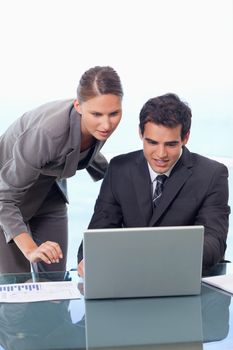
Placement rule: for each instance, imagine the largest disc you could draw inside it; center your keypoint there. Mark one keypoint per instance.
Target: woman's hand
(49, 252)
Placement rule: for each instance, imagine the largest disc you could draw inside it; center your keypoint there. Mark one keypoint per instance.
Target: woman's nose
(105, 123)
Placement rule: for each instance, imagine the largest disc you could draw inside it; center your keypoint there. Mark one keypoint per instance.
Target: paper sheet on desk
(224, 282)
(38, 291)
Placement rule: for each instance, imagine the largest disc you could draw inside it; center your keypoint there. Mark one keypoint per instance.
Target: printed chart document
(39, 291)
(224, 282)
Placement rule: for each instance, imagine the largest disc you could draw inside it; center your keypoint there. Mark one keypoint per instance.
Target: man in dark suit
(194, 192)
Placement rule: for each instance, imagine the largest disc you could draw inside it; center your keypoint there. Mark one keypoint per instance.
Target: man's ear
(140, 133)
(186, 138)
(77, 106)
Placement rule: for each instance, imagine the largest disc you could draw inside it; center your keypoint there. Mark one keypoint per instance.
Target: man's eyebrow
(150, 140)
(172, 141)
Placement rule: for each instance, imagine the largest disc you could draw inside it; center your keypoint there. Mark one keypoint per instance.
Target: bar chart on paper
(38, 291)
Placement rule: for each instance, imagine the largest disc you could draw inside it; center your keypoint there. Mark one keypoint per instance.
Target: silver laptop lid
(143, 262)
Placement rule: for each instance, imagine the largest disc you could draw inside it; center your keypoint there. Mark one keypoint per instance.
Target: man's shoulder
(128, 158)
(208, 161)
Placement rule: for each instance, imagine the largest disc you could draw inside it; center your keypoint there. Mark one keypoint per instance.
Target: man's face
(162, 146)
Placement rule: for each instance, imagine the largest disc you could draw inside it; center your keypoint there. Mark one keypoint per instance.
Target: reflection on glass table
(172, 323)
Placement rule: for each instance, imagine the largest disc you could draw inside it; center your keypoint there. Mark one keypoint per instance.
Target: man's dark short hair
(167, 110)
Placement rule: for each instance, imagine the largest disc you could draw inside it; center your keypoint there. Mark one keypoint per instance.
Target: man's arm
(107, 211)
(214, 215)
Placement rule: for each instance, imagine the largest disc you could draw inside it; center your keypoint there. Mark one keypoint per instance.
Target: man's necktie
(160, 179)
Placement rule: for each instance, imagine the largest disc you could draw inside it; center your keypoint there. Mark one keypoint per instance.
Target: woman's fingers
(52, 250)
(49, 252)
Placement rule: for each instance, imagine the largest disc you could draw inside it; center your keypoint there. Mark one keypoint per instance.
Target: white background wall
(156, 46)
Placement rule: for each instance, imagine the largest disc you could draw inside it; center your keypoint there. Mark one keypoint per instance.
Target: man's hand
(81, 269)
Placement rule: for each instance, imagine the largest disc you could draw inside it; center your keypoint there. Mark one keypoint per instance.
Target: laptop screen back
(143, 262)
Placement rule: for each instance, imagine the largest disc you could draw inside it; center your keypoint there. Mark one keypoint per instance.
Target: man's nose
(161, 151)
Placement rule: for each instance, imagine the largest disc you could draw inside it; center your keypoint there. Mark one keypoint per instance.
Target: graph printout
(38, 291)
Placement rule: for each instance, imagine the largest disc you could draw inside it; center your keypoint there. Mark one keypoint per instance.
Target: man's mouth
(160, 162)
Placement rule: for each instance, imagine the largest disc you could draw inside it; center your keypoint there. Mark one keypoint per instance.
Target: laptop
(142, 262)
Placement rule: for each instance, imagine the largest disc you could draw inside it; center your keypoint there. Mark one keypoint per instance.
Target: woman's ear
(77, 106)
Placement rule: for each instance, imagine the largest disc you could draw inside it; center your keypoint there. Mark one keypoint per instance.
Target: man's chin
(160, 169)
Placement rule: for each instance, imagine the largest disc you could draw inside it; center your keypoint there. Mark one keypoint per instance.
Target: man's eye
(151, 142)
(96, 114)
(172, 144)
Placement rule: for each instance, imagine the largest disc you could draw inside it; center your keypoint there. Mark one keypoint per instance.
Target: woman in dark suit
(37, 153)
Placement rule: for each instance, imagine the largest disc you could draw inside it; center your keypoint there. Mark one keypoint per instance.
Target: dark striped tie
(160, 179)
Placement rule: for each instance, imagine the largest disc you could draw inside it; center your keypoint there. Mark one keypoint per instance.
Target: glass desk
(171, 323)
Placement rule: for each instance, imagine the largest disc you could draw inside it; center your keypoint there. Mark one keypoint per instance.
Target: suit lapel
(98, 146)
(142, 186)
(72, 158)
(176, 181)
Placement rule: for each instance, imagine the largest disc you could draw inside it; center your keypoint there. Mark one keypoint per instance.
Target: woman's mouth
(103, 133)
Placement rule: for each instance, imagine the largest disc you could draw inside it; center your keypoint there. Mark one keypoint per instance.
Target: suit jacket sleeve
(214, 216)
(107, 212)
(18, 174)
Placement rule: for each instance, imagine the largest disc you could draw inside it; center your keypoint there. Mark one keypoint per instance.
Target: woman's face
(100, 115)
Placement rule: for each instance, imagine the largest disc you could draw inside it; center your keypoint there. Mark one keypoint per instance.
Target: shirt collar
(153, 174)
